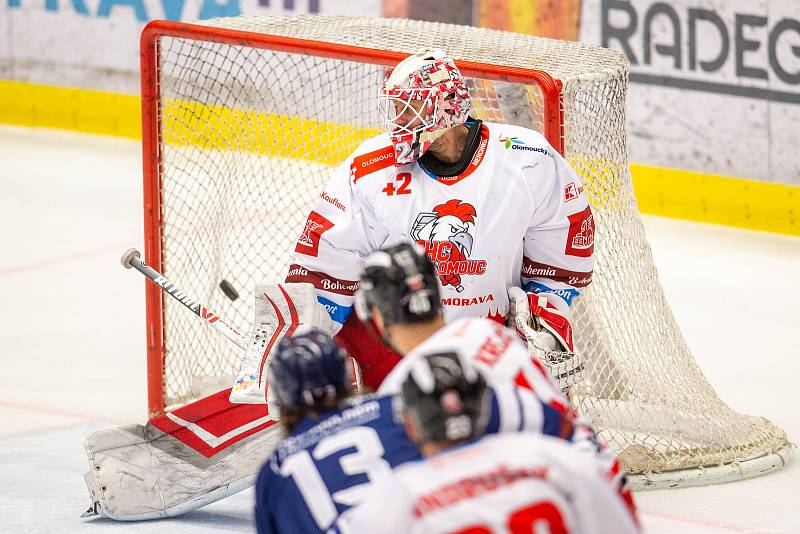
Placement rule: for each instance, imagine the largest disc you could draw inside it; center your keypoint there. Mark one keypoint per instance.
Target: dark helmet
(401, 282)
(446, 397)
(308, 370)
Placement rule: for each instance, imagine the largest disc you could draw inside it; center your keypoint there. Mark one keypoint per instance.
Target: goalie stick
(133, 259)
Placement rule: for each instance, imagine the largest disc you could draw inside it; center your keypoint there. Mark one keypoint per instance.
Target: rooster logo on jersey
(446, 235)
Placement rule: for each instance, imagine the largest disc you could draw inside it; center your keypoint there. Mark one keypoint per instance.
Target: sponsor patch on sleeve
(534, 269)
(580, 238)
(567, 294)
(371, 161)
(320, 280)
(333, 201)
(316, 225)
(572, 191)
(338, 312)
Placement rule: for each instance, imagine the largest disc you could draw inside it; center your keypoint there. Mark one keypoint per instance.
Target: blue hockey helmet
(309, 370)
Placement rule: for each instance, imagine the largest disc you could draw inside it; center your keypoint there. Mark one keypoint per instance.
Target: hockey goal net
(244, 120)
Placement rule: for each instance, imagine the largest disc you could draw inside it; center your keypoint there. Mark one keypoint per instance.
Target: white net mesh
(250, 136)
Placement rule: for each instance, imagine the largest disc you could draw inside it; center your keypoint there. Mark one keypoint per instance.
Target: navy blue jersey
(328, 464)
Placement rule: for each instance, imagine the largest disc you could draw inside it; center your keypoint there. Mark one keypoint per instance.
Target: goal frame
(757, 445)
(553, 126)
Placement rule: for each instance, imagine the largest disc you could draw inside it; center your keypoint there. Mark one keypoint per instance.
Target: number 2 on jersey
(404, 178)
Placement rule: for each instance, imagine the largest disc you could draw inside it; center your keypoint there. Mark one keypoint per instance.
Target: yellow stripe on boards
(82, 110)
(192, 123)
(185, 122)
(717, 199)
(659, 191)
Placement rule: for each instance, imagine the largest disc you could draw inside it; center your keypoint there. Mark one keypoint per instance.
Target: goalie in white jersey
(505, 483)
(493, 205)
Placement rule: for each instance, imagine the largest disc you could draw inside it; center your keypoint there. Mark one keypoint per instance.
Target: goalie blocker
(281, 310)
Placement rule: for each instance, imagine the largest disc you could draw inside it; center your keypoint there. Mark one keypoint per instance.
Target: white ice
(73, 340)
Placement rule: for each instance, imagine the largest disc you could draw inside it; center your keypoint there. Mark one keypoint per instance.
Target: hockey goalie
(496, 208)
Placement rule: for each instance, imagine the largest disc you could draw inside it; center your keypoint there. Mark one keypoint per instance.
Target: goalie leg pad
(180, 461)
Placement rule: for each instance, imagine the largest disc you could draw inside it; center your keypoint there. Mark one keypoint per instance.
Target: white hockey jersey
(504, 484)
(493, 348)
(516, 216)
(504, 360)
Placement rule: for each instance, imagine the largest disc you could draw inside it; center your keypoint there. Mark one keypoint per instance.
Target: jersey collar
(478, 156)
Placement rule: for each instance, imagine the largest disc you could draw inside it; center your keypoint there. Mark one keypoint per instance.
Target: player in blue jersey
(337, 446)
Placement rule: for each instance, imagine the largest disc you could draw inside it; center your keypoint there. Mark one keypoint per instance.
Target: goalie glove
(548, 334)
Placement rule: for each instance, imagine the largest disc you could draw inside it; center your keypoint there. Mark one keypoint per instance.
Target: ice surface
(73, 340)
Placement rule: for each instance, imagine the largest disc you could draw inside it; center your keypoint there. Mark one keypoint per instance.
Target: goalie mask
(446, 398)
(401, 282)
(423, 97)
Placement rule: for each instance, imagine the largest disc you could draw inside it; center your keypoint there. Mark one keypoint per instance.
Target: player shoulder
(537, 447)
(373, 155)
(468, 327)
(471, 336)
(372, 144)
(269, 472)
(367, 403)
(518, 140)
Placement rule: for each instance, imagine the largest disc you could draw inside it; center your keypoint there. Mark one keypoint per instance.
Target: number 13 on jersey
(366, 459)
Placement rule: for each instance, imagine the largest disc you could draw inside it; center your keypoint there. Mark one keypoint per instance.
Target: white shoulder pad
(281, 310)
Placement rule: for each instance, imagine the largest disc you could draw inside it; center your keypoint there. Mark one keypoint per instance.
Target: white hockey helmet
(423, 97)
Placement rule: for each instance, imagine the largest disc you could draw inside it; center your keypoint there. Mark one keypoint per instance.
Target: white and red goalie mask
(423, 97)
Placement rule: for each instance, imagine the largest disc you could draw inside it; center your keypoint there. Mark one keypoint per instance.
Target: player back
(504, 360)
(327, 465)
(495, 349)
(501, 483)
(330, 464)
